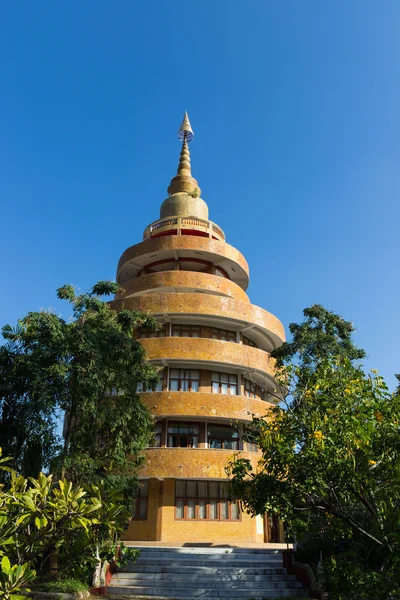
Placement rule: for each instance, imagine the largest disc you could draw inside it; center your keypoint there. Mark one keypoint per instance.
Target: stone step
(269, 556)
(199, 577)
(203, 563)
(208, 570)
(205, 550)
(213, 558)
(185, 573)
(209, 584)
(209, 593)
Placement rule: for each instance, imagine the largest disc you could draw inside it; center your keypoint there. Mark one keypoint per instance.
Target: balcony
(183, 281)
(213, 353)
(178, 225)
(231, 310)
(204, 404)
(191, 462)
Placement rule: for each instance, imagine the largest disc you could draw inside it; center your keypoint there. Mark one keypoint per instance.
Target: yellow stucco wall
(174, 303)
(191, 462)
(184, 279)
(200, 349)
(161, 521)
(184, 243)
(202, 404)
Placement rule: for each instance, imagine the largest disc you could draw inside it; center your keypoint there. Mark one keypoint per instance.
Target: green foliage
(331, 454)
(86, 369)
(42, 522)
(14, 579)
(323, 334)
(348, 577)
(120, 554)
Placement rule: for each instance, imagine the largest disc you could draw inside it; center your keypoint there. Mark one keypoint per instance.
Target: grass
(67, 585)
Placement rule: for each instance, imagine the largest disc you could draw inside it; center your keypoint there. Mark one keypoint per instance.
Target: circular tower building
(214, 351)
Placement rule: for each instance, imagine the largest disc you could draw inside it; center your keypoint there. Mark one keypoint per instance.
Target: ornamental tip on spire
(183, 182)
(185, 131)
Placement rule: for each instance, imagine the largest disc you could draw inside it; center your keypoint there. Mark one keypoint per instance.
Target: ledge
(224, 308)
(204, 404)
(214, 352)
(170, 281)
(217, 252)
(191, 462)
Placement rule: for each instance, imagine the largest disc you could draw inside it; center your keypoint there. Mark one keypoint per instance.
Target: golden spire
(183, 182)
(185, 130)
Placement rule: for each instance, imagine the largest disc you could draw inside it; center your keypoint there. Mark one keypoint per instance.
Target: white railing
(181, 223)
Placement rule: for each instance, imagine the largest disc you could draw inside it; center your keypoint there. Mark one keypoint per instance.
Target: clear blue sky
(295, 106)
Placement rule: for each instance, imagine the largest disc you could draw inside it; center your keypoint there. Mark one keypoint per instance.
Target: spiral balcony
(154, 252)
(231, 312)
(182, 281)
(191, 462)
(203, 404)
(215, 354)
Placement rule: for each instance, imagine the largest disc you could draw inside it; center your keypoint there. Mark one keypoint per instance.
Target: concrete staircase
(212, 573)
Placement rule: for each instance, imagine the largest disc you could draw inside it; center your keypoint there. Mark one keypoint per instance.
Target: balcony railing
(179, 223)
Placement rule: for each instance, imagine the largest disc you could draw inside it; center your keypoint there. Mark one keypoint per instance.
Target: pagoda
(213, 350)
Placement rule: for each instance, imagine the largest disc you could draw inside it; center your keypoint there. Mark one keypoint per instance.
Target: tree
(331, 456)
(87, 370)
(322, 334)
(42, 520)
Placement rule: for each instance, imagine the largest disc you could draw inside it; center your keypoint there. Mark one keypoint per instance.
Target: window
(139, 507)
(183, 435)
(142, 388)
(251, 447)
(251, 390)
(157, 435)
(151, 333)
(223, 334)
(248, 342)
(222, 437)
(186, 331)
(223, 383)
(184, 380)
(204, 501)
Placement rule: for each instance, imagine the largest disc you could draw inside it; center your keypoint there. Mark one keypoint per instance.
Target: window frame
(252, 390)
(179, 379)
(246, 341)
(190, 328)
(158, 432)
(144, 333)
(138, 501)
(228, 383)
(157, 388)
(252, 447)
(183, 423)
(223, 441)
(218, 334)
(221, 498)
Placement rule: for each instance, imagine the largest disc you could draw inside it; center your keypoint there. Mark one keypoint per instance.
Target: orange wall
(204, 404)
(200, 349)
(191, 462)
(161, 523)
(175, 303)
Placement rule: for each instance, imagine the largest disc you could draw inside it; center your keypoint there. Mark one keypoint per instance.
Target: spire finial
(183, 181)
(185, 130)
